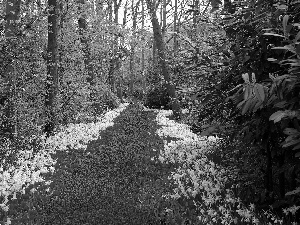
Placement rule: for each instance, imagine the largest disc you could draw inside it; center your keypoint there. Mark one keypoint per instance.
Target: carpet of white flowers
(199, 190)
(29, 166)
(199, 179)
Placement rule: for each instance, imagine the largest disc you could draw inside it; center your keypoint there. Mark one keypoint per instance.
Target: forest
(146, 112)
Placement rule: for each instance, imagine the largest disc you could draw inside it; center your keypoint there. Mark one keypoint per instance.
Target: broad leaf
(247, 92)
(290, 131)
(295, 148)
(284, 24)
(246, 77)
(277, 116)
(282, 7)
(259, 92)
(293, 142)
(271, 59)
(287, 47)
(293, 192)
(272, 34)
(246, 106)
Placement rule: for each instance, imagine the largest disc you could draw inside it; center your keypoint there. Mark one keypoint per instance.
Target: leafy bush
(158, 98)
(259, 77)
(138, 94)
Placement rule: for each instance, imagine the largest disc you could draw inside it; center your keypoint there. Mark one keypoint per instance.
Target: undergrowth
(134, 166)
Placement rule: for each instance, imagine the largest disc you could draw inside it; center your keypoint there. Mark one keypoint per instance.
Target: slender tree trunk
(125, 15)
(116, 10)
(99, 9)
(52, 75)
(120, 78)
(111, 81)
(175, 45)
(164, 19)
(195, 18)
(134, 9)
(12, 10)
(61, 36)
(110, 11)
(162, 60)
(114, 59)
(82, 24)
(154, 56)
(143, 49)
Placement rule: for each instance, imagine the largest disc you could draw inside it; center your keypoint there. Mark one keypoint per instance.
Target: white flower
(4, 207)
(8, 221)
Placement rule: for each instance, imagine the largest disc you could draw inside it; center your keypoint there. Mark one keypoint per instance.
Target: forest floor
(118, 179)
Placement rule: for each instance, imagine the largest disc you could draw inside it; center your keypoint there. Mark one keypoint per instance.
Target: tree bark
(164, 19)
(175, 44)
(143, 49)
(196, 12)
(12, 10)
(113, 58)
(154, 56)
(120, 78)
(134, 9)
(52, 67)
(162, 61)
(82, 24)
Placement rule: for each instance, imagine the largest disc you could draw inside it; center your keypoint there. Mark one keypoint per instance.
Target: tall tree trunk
(110, 10)
(12, 10)
(154, 57)
(111, 81)
(195, 18)
(125, 15)
(143, 49)
(175, 45)
(120, 78)
(82, 24)
(113, 59)
(52, 75)
(162, 60)
(116, 10)
(61, 37)
(164, 19)
(134, 9)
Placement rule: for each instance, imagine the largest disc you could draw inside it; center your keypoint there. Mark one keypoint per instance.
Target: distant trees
(158, 38)
(84, 45)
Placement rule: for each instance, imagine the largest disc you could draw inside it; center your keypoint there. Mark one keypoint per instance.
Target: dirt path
(114, 181)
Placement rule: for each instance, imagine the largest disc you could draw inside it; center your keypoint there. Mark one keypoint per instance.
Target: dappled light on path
(133, 166)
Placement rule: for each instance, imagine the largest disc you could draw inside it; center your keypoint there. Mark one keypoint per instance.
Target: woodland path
(114, 181)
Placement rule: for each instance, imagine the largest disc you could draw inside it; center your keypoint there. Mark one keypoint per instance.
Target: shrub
(158, 98)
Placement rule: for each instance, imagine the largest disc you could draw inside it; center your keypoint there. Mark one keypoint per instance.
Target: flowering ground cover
(101, 176)
(133, 166)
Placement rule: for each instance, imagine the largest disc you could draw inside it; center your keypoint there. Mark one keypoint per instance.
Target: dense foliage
(158, 98)
(252, 97)
(235, 69)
